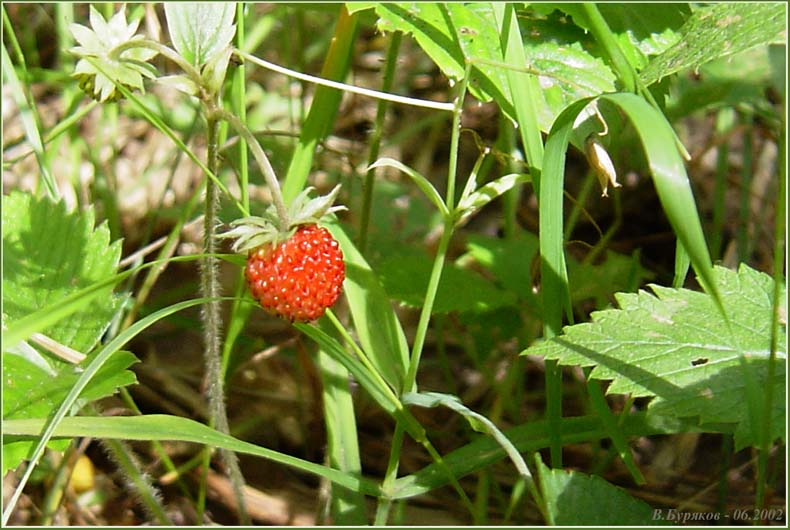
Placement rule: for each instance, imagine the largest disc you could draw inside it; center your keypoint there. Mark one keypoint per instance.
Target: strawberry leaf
(48, 254)
(719, 30)
(201, 31)
(577, 499)
(454, 33)
(674, 345)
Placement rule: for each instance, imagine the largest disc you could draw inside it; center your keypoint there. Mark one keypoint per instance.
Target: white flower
(98, 43)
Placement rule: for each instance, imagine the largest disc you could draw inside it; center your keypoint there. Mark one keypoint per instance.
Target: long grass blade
(165, 427)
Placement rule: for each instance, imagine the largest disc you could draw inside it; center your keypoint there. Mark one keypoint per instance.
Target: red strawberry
(294, 267)
(299, 278)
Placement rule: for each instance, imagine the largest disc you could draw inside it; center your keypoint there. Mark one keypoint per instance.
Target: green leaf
(377, 326)
(27, 114)
(49, 254)
(509, 260)
(718, 30)
(641, 29)
(324, 107)
(477, 421)
(567, 72)
(200, 30)
(30, 391)
(405, 272)
(164, 427)
(670, 179)
(576, 499)
(727, 82)
(453, 33)
(423, 183)
(342, 441)
(674, 345)
(487, 193)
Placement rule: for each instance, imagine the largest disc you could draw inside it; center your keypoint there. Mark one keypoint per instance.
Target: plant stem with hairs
(212, 319)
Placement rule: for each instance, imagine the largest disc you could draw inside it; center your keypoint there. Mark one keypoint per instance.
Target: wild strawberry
(299, 278)
(295, 268)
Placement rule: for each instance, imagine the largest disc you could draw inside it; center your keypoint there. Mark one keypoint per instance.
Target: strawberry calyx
(269, 229)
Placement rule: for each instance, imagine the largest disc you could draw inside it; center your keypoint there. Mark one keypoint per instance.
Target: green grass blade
(744, 236)
(27, 114)
(348, 506)
(324, 107)
(375, 138)
(377, 389)
(377, 326)
(671, 181)
(554, 275)
(611, 48)
(682, 264)
(476, 420)
(524, 86)
(779, 260)
(175, 428)
(612, 426)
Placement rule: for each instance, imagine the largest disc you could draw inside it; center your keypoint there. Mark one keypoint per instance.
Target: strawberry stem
(212, 319)
(261, 159)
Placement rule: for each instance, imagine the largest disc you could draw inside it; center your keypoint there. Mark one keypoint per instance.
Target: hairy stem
(212, 320)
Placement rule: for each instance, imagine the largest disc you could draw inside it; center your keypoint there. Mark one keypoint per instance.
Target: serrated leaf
(31, 392)
(718, 30)
(567, 72)
(405, 273)
(577, 499)
(200, 30)
(674, 345)
(49, 254)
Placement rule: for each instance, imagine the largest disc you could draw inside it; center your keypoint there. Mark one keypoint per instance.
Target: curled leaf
(423, 183)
